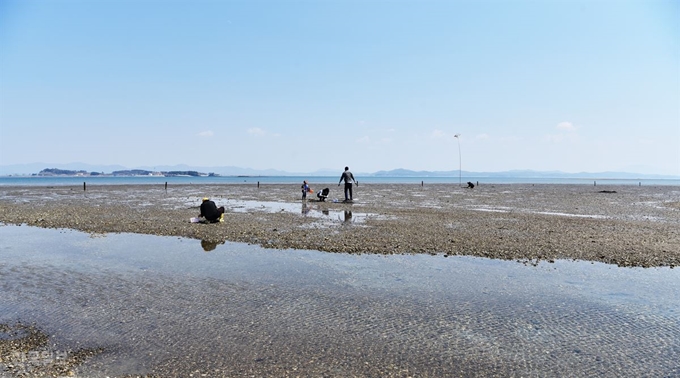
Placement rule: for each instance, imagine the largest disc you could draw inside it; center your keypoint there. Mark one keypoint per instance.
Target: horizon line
(525, 173)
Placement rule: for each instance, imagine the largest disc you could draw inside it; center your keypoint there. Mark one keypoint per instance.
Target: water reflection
(315, 209)
(209, 245)
(348, 216)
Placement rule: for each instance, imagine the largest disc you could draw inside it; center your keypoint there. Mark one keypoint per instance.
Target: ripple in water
(173, 307)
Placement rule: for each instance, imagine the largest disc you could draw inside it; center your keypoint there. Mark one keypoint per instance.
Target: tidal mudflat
(122, 305)
(621, 225)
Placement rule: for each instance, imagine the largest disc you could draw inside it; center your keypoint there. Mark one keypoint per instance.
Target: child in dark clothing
(305, 189)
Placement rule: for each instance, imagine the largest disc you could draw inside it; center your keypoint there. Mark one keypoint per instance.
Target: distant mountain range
(82, 168)
(522, 174)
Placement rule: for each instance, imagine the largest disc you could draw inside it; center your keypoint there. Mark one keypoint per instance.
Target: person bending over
(210, 211)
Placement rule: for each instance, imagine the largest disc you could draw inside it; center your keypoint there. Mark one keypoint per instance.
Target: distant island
(129, 172)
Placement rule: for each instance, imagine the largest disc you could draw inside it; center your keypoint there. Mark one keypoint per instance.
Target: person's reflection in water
(348, 216)
(305, 208)
(325, 212)
(209, 245)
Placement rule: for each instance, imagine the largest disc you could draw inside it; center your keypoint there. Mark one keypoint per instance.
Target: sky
(299, 86)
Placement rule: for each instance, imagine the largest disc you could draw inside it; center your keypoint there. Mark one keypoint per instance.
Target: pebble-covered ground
(623, 225)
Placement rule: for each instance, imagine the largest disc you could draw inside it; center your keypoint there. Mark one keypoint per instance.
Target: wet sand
(622, 225)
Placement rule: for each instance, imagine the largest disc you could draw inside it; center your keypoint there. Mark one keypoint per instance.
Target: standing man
(348, 177)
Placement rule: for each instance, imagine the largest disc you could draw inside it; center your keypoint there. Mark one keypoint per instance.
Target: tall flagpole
(460, 162)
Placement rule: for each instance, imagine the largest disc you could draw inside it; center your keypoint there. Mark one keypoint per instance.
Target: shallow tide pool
(175, 307)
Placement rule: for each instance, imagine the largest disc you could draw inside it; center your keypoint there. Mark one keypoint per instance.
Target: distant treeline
(65, 172)
(130, 172)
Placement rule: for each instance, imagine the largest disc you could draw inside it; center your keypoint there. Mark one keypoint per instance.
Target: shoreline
(623, 225)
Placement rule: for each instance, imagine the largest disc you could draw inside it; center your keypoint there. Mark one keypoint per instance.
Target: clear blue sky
(304, 85)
